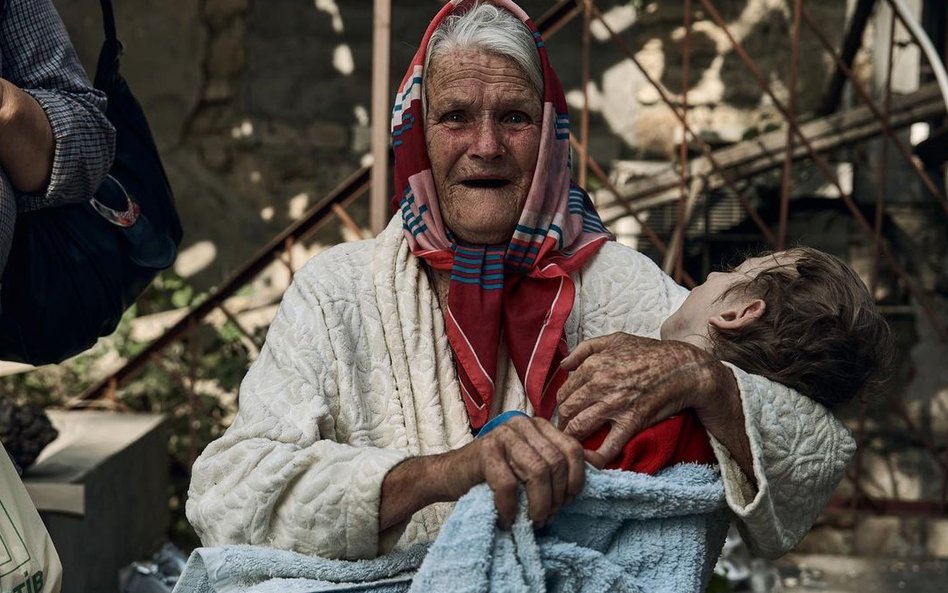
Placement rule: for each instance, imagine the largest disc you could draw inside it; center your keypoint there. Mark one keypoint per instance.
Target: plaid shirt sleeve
(37, 56)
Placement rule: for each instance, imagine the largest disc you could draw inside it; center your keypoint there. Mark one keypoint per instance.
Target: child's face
(710, 300)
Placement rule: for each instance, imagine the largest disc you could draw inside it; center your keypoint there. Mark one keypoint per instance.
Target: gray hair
(492, 29)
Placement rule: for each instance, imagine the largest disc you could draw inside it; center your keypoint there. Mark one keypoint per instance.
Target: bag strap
(108, 21)
(107, 68)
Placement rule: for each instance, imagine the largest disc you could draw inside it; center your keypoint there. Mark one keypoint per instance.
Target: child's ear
(739, 315)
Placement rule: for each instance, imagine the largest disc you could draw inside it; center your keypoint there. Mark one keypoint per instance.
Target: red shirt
(678, 439)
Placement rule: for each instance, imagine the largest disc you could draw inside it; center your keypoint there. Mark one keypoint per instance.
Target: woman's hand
(634, 382)
(550, 464)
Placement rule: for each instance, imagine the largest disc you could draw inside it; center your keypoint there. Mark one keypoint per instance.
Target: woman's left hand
(633, 382)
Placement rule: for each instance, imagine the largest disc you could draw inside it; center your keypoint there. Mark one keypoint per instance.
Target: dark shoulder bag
(74, 269)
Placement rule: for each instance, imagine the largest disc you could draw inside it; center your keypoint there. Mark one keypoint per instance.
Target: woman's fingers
(595, 458)
(503, 481)
(583, 351)
(574, 402)
(513, 460)
(576, 381)
(591, 372)
(586, 418)
(588, 375)
(573, 452)
(550, 465)
(626, 381)
(634, 382)
(546, 477)
(563, 455)
(619, 435)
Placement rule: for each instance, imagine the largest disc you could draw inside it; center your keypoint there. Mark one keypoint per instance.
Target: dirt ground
(848, 574)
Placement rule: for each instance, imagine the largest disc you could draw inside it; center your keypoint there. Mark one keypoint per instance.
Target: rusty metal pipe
(884, 164)
(788, 158)
(678, 242)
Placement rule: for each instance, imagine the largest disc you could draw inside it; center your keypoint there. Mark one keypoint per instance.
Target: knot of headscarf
(523, 287)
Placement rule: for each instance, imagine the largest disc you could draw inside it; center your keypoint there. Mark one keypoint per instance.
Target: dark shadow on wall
(768, 43)
(702, 52)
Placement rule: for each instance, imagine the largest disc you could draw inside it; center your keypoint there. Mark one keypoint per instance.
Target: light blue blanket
(625, 532)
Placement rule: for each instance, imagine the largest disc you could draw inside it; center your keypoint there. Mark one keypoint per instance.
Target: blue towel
(625, 532)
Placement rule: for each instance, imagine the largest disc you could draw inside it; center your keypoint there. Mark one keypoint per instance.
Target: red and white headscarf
(523, 286)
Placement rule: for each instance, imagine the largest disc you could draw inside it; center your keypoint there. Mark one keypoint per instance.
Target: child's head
(800, 317)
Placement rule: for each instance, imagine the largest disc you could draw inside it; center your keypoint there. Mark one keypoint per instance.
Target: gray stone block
(102, 490)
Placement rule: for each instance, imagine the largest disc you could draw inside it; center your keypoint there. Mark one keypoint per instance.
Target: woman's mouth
(485, 183)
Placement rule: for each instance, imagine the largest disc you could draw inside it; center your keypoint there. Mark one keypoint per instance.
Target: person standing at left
(56, 144)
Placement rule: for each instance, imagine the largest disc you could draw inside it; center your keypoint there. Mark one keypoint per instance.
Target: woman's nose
(487, 143)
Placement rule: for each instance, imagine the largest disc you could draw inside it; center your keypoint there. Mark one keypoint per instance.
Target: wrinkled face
(690, 322)
(482, 129)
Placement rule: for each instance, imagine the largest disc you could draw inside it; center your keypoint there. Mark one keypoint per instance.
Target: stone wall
(261, 107)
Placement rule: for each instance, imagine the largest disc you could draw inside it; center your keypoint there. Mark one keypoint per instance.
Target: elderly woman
(356, 425)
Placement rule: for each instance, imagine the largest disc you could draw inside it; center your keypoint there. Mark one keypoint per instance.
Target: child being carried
(799, 317)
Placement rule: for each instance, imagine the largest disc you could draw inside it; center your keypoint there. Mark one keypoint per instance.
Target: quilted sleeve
(277, 477)
(800, 452)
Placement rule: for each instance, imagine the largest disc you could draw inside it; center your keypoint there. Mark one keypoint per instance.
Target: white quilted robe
(357, 375)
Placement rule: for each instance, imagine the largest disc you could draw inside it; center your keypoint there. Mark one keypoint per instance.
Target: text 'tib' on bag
(28, 561)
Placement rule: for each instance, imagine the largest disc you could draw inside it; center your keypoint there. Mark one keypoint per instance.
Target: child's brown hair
(820, 332)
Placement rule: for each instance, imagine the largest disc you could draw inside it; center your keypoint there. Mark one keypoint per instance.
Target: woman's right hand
(550, 464)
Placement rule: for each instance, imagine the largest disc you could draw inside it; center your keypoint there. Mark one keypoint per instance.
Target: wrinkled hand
(550, 464)
(632, 383)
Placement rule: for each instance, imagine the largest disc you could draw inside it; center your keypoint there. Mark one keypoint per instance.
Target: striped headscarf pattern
(521, 289)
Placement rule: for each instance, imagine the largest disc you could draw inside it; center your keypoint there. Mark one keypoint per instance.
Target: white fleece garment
(357, 374)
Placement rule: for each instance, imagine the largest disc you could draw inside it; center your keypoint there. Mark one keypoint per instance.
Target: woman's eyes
(453, 117)
(517, 118)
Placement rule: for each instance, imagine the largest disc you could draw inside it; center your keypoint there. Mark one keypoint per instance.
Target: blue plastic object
(498, 420)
